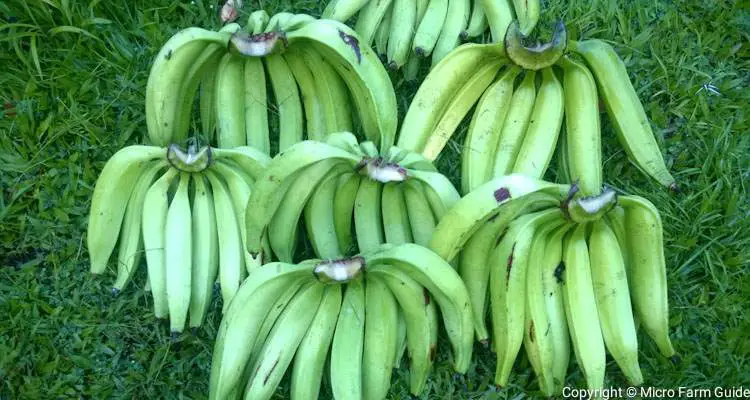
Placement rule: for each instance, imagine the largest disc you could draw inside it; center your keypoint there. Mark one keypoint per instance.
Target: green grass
(73, 81)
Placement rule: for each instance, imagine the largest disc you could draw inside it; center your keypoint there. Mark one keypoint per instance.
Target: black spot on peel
(493, 217)
(426, 296)
(352, 42)
(532, 332)
(559, 272)
(510, 264)
(168, 56)
(501, 237)
(270, 371)
(502, 194)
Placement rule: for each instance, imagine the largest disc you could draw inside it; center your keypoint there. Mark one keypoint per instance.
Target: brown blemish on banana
(532, 332)
(426, 295)
(559, 272)
(510, 264)
(502, 194)
(433, 352)
(352, 42)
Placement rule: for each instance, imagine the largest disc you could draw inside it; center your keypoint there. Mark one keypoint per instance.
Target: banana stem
(258, 45)
(378, 169)
(339, 271)
(539, 56)
(192, 160)
(591, 208)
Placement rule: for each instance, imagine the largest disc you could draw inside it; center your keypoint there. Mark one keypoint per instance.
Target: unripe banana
(205, 252)
(256, 105)
(381, 331)
(343, 205)
(540, 139)
(499, 15)
(580, 309)
(348, 344)
(624, 108)
(287, 99)
(403, 20)
(342, 10)
(429, 28)
(230, 101)
(310, 359)
(368, 215)
(613, 300)
(456, 21)
(178, 248)
(319, 218)
(477, 21)
(110, 198)
(582, 127)
(478, 154)
(314, 112)
(516, 122)
(396, 225)
(421, 219)
(369, 19)
(527, 12)
(647, 272)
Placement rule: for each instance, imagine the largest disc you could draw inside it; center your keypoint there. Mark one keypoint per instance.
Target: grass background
(72, 85)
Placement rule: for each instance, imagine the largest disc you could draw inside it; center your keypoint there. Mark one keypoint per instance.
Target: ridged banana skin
(250, 160)
(368, 215)
(582, 127)
(499, 16)
(613, 300)
(403, 19)
(241, 323)
(231, 261)
(429, 27)
(563, 172)
(283, 227)
(316, 127)
(334, 105)
(343, 205)
(178, 245)
(383, 33)
(239, 191)
(445, 286)
(554, 305)
(319, 218)
(527, 12)
(478, 154)
(580, 309)
(342, 10)
(310, 359)
(110, 198)
(439, 88)
(287, 101)
(368, 81)
(278, 351)
(497, 195)
(167, 80)
(456, 21)
(207, 94)
(396, 225)
(130, 245)
(457, 109)
(647, 273)
(270, 189)
(538, 339)
(205, 251)
(230, 101)
(624, 108)
(256, 105)
(421, 219)
(206, 62)
(540, 139)
(155, 207)
(381, 339)
(477, 21)
(508, 266)
(348, 344)
(516, 122)
(369, 19)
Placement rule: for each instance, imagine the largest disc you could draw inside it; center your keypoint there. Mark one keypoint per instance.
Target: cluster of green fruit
(557, 263)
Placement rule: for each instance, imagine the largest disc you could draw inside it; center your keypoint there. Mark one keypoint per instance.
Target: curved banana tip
(393, 66)
(540, 55)
(420, 52)
(675, 188)
(676, 359)
(194, 331)
(485, 343)
(115, 291)
(463, 35)
(174, 335)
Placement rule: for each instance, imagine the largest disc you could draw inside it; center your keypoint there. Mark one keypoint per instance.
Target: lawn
(72, 84)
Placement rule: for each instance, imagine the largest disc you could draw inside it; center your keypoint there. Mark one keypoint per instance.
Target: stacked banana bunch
(405, 31)
(320, 75)
(181, 208)
(556, 269)
(521, 97)
(367, 309)
(348, 195)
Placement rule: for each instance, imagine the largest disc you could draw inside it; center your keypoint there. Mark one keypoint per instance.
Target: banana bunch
(348, 195)
(521, 96)
(559, 269)
(320, 78)
(405, 31)
(182, 210)
(364, 310)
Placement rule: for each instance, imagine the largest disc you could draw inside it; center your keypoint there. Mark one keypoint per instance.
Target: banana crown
(538, 56)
